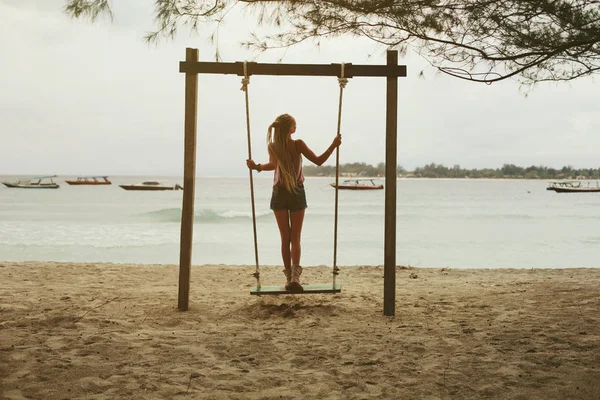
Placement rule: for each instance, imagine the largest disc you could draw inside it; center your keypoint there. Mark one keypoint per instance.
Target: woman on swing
(288, 200)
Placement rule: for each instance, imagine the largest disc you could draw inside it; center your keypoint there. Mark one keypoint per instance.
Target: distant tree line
(434, 170)
(350, 169)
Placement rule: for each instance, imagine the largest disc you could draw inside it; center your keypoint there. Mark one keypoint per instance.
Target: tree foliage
(479, 40)
(349, 169)
(510, 171)
(434, 170)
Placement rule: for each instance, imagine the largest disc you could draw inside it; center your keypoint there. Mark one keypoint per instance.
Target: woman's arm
(270, 166)
(311, 156)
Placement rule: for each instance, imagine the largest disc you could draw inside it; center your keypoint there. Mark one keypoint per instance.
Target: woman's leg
(283, 222)
(296, 220)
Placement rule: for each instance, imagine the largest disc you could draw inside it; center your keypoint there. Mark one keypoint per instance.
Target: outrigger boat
(90, 180)
(572, 187)
(358, 184)
(38, 182)
(151, 185)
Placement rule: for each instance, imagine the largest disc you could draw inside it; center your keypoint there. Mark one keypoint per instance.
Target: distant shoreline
(447, 179)
(265, 176)
(434, 170)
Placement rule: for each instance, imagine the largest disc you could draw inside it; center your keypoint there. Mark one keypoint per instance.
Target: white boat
(358, 184)
(151, 185)
(38, 182)
(573, 187)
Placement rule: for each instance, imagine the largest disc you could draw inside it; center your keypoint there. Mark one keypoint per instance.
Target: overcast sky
(78, 98)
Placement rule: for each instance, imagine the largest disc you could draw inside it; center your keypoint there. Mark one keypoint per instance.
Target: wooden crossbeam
(237, 68)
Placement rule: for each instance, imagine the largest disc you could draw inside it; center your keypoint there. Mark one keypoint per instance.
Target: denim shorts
(281, 199)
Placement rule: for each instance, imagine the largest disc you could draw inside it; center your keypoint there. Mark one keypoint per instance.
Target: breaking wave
(202, 215)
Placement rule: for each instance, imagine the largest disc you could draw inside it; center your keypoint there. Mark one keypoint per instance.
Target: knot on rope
(256, 274)
(336, 271)
(245, 83)
(342, 80)
(246, 78)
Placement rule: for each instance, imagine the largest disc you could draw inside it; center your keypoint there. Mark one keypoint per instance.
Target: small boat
(90, 180)
(151, 185)
(38, 182)
(358, 184)
(573, 187)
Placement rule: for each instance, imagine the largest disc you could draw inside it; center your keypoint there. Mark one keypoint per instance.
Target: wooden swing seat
(308, 289)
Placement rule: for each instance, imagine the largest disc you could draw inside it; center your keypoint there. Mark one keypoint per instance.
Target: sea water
(440, 223)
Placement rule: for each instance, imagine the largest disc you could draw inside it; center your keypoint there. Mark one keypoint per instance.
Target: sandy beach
(113, 331)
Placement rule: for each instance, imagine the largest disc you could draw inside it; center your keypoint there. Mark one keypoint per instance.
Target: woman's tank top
(299, 173)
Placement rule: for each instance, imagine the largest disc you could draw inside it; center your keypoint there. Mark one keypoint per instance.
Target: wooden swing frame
(192, 67)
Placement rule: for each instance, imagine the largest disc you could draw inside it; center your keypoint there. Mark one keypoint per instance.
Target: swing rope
(245, 83)
(342, 82)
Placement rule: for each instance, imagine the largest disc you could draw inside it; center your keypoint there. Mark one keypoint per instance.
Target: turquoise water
(440, 223)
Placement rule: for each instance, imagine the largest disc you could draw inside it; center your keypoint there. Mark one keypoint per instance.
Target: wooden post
(189, 177)
(391, 154)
